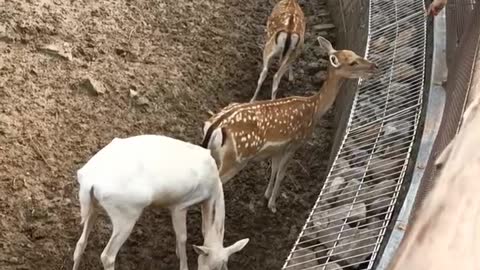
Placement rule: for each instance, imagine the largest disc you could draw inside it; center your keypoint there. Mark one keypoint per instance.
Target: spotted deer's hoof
(272, 207)
(267, 194)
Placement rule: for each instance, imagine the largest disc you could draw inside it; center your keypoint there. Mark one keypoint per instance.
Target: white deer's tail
(86, 197)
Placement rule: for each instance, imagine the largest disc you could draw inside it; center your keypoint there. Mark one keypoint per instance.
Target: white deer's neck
(215, 229)
(325, 98)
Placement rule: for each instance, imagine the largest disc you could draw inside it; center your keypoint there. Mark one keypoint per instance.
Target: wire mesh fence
(346, 225)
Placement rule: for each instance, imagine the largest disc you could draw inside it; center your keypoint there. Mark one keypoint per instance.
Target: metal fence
(346, 226)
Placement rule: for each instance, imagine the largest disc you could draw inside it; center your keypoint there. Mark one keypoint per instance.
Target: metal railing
(348, 221)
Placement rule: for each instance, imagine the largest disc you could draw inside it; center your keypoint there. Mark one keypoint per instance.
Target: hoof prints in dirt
(74, 75)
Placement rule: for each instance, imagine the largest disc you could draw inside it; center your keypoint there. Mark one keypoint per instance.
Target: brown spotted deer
(285, 35)
(275, 129)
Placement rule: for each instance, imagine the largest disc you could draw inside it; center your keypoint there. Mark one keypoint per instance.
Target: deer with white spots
(285, 36)
(130, 174)
(275, 129)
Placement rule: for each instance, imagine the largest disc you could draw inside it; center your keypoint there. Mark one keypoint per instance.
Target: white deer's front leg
(179, 220)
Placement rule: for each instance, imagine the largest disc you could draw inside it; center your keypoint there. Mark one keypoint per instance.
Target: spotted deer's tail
(287, 39)
(214, 137)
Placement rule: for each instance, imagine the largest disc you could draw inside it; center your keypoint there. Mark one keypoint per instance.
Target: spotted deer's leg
(298, 51)
(290, 73)
(286, 63)
(278, 76)
(282, 167)
(290, 70)
(274, 164)
(271, 49)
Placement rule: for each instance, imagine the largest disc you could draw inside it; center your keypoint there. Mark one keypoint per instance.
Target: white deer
(130, 174)
(285, 36)
(275, 129)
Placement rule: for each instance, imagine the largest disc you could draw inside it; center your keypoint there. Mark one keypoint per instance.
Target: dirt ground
(182, 58)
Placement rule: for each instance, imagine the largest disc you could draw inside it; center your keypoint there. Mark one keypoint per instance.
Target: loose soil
(181, 58)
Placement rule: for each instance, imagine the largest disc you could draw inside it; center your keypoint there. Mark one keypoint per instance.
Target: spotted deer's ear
(334, 60)
(326, 45)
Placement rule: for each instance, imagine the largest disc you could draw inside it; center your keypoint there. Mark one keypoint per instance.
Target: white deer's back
(150, 168)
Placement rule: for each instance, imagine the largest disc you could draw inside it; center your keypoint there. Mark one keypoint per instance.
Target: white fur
(130, 174)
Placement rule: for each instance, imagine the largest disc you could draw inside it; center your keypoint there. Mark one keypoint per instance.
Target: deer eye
(354, 63)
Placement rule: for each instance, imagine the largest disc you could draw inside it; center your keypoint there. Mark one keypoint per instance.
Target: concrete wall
(351, 21)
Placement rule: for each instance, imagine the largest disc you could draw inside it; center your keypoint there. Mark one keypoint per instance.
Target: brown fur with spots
(287, 16)
(276, 129)
(285, 35)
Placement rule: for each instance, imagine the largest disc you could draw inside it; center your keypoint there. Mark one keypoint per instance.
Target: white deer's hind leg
(282, 167)
(123, 221)
(179, 220)
(274, 164)
(82, 242)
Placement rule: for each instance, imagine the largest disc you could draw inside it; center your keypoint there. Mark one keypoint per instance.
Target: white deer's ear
(326, 45)
(201, 250)
(334, 60)
(239, 245)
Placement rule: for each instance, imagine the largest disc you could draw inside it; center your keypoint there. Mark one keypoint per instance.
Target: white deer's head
(216, 258)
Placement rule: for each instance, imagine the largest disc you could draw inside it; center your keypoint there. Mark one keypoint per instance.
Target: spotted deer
(275, 129)
(285, 35)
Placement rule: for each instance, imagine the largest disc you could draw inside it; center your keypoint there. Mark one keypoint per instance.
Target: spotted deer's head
(346, 63)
